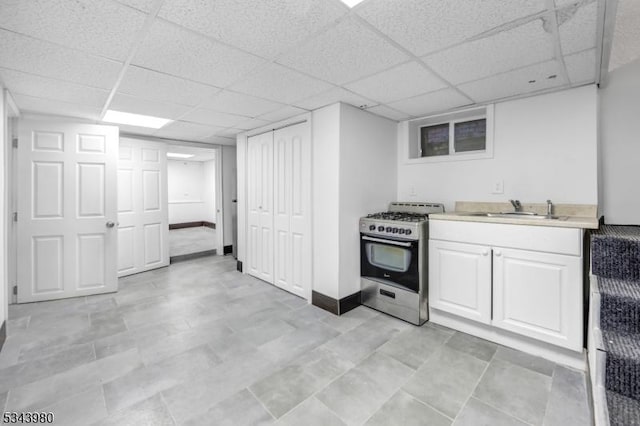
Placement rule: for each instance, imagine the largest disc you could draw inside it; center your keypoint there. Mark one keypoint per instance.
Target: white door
(67, 239)
(538, 295)
(292, 205)
(460, 279)
(260, 206)
(143, 226)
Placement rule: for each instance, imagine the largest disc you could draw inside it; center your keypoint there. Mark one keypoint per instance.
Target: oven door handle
(392, 242)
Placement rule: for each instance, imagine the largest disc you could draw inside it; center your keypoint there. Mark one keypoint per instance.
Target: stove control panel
(400, 230)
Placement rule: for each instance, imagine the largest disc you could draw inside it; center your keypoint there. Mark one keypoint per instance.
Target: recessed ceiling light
(139, 120)
(352, 3)
(177, 155)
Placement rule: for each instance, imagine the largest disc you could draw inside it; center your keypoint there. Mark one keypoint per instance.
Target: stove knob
(394, 230)
(372, 227)
(408, 232)
(380, 228)
(401, 231)
(388, 229)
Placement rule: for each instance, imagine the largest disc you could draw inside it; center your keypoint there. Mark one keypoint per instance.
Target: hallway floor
(199, 343)
(191, 240)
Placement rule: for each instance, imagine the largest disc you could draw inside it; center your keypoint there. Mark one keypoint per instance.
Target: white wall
(545, 147)
(4, 140)
(368, 179)
(209, 190)
(229, 193)
(620, 145)
(190, 190)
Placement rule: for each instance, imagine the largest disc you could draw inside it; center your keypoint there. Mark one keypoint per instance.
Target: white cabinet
(523, 279)
(278, 208)
(460, 279)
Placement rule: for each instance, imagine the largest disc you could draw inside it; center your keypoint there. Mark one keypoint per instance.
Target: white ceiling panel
(424, 26)
(35, 56)
(516, 82)
(581, 67)
(332, 96)
(280, 84)
(265, 28)
(282, 114)
(46, 106)
(430, 103)
(124, 128)
(492, 55)
(132, 104)
(239, 103)
(143, 5)
(252, 123)
(626, 34)
(213, 118)
(227, 133)
(101, 27)
(218, 140)
(182, 130)
(32, 85)
(345, 53)
(163, 87)
(174, 50)
(400, 82)
(390, 113)
(577, 27)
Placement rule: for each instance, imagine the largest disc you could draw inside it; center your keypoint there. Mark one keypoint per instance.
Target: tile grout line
(261, 403)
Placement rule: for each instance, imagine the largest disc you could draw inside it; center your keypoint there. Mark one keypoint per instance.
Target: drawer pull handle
(387, 293)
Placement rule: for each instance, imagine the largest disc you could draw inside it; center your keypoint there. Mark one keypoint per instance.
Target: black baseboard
(239, 266)
(227, 249)
(3, 334)
(192, 225)
(191, 256)
(336, 307)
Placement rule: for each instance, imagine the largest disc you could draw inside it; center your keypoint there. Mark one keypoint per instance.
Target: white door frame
(11, 199)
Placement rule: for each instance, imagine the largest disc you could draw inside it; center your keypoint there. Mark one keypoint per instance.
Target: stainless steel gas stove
(393, 260)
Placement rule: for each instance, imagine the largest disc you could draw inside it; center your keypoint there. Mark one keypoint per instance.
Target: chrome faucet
(549, 208)
(516, 205)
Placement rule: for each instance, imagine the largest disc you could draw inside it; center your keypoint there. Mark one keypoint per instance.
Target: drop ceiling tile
(581, 67)
(400, 82)
(239, 103)
(430, 103)
(344, 53)
(390, 113)
(524, 45)
(136, 130)
(264, 28)
(332, 96)
(182, 130)
(163, 87)
(626, 34)
(135, 105)
(177, 51)
(39, 57)
(514, 83)
(218, 140)
(577, 27)
(250, 124)
(143, 5)
(47, 106)
(100, 27)
(32, 85)
(213, 118)
(280, 84)
(282, 114)
(425, 26)
(228, 133)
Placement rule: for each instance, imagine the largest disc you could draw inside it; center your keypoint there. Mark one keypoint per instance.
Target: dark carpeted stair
(615, 259)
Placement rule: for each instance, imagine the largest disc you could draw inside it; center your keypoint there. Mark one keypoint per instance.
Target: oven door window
(391, 258)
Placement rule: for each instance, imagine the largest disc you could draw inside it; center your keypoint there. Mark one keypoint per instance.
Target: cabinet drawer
(537, 238)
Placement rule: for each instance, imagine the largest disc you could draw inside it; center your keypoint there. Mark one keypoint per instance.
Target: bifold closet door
(260, 206)
(292, 204)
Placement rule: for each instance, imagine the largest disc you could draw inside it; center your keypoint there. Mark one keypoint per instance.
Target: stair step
(615, 252)
(619, 305)
(623, 411)
(622, 371)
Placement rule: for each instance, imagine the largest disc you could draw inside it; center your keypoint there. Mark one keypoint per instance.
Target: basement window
(460, 135)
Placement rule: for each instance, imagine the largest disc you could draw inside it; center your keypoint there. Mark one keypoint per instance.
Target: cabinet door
(260, 206)
(538, 295)
(460, 279)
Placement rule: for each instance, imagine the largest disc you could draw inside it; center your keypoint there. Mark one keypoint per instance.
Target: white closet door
(67, 240)
(143, 228)
(260, 206)
(292, 205)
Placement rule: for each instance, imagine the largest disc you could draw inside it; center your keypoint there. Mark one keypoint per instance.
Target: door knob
(486, 252)
(110, 224)
(498, 253)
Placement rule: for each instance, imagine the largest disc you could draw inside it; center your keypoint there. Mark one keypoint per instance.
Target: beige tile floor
(198, 343)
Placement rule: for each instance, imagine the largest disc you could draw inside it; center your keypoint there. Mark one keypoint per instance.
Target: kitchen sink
(518, 215)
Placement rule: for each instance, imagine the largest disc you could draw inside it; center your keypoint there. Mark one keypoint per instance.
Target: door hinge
(15, 290)
(14, 142)
(15, 216)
